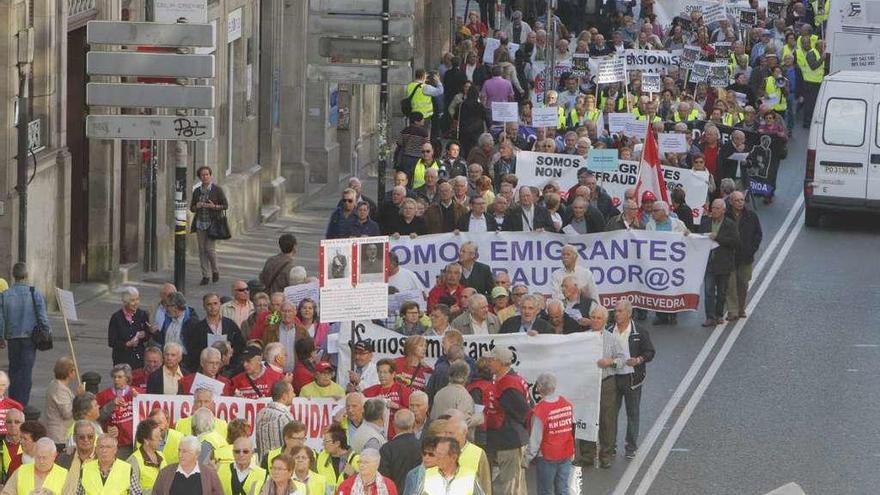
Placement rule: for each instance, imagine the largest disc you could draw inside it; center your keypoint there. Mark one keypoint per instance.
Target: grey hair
(486, 138)
(624, 305)
(475, 300)
(128, 292)
(546, 383)
(459, 372)
(554, 302)
(570, 247)
(190, 443)
(399, 190)
(371, 454)
(404, 420)
(536, 299)
(418, 394)
(209, 352)
(728, 185)
(374, 409)
(203, 390)
(663, 205)
(78, 425)
(47, 443)
(177, 300)
(202, 422)
(600, 311)
(272, 351)
(172, 345)
(352, 181)
(459, 179)
(297, 275)
(585, 140)
(124, 368)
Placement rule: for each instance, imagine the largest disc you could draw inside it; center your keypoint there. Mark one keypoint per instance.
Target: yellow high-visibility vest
(328, 471)
(421, 102)
(54, 481)
(461, 484)
(252, 484)
(184, 426)
(810, 75)
(147, 474)
(118, 482)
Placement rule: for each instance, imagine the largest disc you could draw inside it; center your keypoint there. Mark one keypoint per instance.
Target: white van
(843, 158)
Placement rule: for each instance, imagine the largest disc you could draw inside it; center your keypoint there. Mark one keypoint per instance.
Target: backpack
(406, 103)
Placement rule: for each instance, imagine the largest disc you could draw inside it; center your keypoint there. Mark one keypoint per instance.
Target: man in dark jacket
(473, 273)
(213, 328)
(505, 442)
(274, 275)
(722, 230)
(527, 216)
(527, 321)
(750, 236)
(402, 453)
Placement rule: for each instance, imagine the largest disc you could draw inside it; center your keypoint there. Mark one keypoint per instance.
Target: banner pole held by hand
(68, 310)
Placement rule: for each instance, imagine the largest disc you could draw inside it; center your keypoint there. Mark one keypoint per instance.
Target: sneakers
(630, 454)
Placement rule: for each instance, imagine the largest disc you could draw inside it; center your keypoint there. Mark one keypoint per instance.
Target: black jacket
(156, 382)
(481, 279)
(727, 168)
(686, 215)
(464, 223)
(640, 345)
(750, 235)
(512, 325)
(197, 339)
(215, 195)
(120, 331)
(513, 221)
(399, 456)
(594, 218)
(721, 259)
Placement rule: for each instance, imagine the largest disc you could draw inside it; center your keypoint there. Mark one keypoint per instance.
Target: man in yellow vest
(242, 477)
(448, 476)
(421, 92)
(170, 438)
(425, 162)
(472, 457)
(820, 11)
(42, 473)
(812, 66)
(650, 112)
(108, 475)
(202, 398)
(212, 442)
(685, 113)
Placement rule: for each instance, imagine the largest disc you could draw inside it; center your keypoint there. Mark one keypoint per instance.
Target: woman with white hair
(121, 394)
(188, 476)
(368, 475)
(127, 331)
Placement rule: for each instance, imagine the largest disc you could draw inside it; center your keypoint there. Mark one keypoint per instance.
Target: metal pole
(181, 168)
(21, 160)
(384, 148)
(550, 50)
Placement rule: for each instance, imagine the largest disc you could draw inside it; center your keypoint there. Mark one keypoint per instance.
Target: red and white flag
(650, 171)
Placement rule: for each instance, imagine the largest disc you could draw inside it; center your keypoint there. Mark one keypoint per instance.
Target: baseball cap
(502, 354)
(250, 352)
(365, 345)
(499, 291)
(323, 367)
(648, 196)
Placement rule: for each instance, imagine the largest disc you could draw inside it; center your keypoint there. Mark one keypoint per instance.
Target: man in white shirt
(570, 267)
(240, 307)
(402, 279)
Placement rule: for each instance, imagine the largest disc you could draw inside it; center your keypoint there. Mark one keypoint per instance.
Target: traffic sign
(130, 63)
(172, 10)
(149, 33)
(358, 74)
(366, 49)
(149, 95)
(157, 127)
(358, 25)
(363, 7)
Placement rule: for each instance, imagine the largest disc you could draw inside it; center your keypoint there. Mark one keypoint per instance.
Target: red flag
(650, 171)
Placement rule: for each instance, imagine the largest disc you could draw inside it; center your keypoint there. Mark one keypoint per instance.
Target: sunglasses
(348, 201)
(427, 151)
(242, 289)
(242, 451)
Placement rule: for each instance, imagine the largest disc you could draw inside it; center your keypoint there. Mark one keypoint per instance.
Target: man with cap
(500, 299)
(508, 429)
(323, 385)
(256, 380)
(364, 374)
(648, 199)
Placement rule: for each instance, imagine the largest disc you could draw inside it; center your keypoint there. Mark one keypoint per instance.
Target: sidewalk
(240, 258)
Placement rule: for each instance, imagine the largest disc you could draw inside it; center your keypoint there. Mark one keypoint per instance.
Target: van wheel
(811, 217)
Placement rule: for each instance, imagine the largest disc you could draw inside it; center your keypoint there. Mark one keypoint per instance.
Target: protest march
(561, 186)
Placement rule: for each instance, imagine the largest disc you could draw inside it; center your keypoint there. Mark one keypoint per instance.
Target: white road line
(866, 345)
(691, 404)
(654, 433)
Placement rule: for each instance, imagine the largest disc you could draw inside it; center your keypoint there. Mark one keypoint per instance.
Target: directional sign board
(359, 74)
(358, 25)
(365, 49)
(149, 64)
(149, 33)
(156, 127)
(149, 95)
(363, 7)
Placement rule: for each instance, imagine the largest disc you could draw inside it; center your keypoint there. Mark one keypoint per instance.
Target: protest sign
(722, 49)
(296, 293)
(545, 117)
(353, 279)
(748, 17)
(695, 185)
(617, 121)
(672, 142)
(658, 61)
(316, 414)
(687, 26)
(536, 169)
(611, 70)
(689, 55)
(636, 128)
(204, 381)
(651, 83)
(657, 271)
(713, 12)
(602, 160)
(580, 64)
(504, 111)
(719, 75)
(579, 380)
(775, 9)
(699, 72)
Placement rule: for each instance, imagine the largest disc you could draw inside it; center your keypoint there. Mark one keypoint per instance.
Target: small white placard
(504, 111)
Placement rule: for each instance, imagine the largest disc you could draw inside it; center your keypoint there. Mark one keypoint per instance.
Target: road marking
(852, 370)
(866, 345)
(695, 398)
(654, 433)
(680, 450)
(788, 489)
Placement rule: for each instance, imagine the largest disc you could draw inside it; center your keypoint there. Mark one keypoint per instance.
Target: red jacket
(441, 290)
(5, 405)
(121, 417)
(264, 383)
(184, 385)
(301, 376)
(414, 377)
(347, 485)
(490, 403)
(395, 393)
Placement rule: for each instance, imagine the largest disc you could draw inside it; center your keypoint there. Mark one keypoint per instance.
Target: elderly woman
(281, 480)
(303, 460)
(456, 396)
(127, 331)
(408, 224)
(411, 368)
(368, 474)
(58, 414)
(308, 324)
(120, 394)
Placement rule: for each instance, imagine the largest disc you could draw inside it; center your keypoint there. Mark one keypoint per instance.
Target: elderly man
(371, 433)
(449, 286)
(189, 475)
(585, 218)
(152, 362)
(461, 194)
(165, 379)
(164, 291)
(213, 328)
(10, 450)
(107, 474)
(241, 476)
(274, 416)
(628, 220)
(478, 220)
(323, 386)
(576, 302)
(213, 443)
(750, 235)
(570, 267)
(630, 377)
(507, 440)
(448, 475)
(43, 473)
(390, 210)
(528, 216)
(473, 458)
(428, 191)
(527, 321)
(179, 320)
(364, 374)
(203, 398)
(256, 380)
(560, 321)
(445, 214)
(551, 442)
(661, 221)
(351, 417)
(418, 404)
(368, 479)
(440, 316)
(456, 396)
(401, 454)
(170, 439)
(477, 320)
(723, 230)
(505, 164)
(473, 273)
(211, 362)
(240, 307)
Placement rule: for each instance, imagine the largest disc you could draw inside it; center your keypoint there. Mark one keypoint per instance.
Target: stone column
(295, 167)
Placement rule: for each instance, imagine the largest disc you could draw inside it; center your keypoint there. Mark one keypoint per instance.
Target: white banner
(316, 414)
(659, 271)
(651, 60)
(536, 169)
(579, 380)
(695, 185)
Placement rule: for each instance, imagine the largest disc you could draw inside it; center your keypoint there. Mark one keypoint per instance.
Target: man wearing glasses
(425, 162)
(243, 475)
(240, 307)
(343, 217)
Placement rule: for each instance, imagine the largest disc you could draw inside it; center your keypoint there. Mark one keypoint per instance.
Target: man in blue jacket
(21, 307)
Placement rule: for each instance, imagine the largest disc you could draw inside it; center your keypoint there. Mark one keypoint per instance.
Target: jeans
(716, 294)
(632, 398)
(553, 476)
(22, 355)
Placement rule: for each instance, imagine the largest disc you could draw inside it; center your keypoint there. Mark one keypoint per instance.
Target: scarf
(360, 488)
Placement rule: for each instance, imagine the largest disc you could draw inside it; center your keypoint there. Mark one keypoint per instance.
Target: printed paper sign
(775, 9)
(748, 17)
(580, 64)
(713, 13)
(689, 55)
(700, 72)
(602, 160)
(545, 117)
(722, 49)
(636, 128)
(203, 381)
(651, 83)
(651, 60)
(353, 279)
(672, 142)
(66, 303)
(536, 169)
(296, 293)
(505, 111)
(617, 121)
(612, 70)
(719, 75)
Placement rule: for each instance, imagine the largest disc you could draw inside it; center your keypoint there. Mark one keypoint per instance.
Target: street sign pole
(384, 148)
(180, 172)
